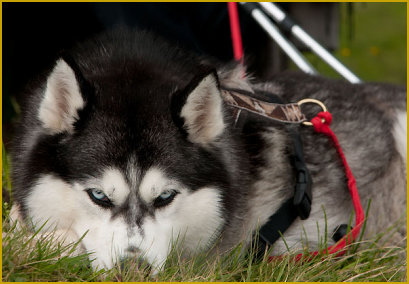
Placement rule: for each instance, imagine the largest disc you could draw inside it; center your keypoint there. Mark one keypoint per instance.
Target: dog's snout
(134, 263)
(133, 259)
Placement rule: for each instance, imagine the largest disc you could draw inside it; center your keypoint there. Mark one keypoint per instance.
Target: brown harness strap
(289, 113)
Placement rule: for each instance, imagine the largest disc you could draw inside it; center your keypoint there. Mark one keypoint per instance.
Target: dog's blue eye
(99, 197)
(165, 198)
(98, 194)
(165, 195)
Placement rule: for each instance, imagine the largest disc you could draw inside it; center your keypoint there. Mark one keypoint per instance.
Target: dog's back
(370, 123)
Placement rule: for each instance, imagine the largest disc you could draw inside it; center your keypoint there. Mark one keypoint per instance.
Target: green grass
(377, 49)
(28, 259)
(36, 257)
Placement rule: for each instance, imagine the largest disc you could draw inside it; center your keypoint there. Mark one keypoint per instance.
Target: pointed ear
(62, 99)
(200, 110)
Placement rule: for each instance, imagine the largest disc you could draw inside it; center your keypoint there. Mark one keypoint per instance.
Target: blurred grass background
(374, 47)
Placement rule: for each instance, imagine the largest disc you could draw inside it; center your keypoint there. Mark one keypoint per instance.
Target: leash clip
(314, 101)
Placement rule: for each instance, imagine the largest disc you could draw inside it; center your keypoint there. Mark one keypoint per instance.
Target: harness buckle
(303, 187)
(303, 193)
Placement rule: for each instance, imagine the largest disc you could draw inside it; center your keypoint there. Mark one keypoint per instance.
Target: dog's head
(129, 153)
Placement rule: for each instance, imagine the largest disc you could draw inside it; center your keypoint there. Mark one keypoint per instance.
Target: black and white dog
(128, 140)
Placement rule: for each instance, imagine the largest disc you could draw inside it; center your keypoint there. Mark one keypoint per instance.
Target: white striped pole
(287, 23)
(273, 31)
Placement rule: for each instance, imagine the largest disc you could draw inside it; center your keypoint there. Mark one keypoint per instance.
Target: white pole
(278, 15)
(284, 44)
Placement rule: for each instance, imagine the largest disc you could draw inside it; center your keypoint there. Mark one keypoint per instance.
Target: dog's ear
(198, 110)
(62, 99)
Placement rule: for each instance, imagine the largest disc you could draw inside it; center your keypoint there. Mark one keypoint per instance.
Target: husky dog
(128, 141)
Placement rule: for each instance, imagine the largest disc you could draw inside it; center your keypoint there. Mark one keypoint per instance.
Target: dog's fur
(138, 118)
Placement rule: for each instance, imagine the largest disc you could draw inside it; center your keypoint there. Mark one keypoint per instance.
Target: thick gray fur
(363, 119)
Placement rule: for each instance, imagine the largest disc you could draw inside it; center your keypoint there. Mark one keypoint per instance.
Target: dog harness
(270, 106)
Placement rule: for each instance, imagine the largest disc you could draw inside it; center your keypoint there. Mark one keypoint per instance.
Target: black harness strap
(297, 206)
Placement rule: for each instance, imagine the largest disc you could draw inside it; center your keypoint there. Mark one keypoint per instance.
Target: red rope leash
(235, 31)
(321, 125)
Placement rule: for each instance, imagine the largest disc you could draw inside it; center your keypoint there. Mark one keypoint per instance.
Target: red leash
(321, 125)
(235, 31)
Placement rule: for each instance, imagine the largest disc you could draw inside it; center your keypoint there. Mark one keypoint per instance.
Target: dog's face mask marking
(129, 182)
(162, 212)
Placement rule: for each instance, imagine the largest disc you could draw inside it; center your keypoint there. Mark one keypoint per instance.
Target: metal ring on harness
(321, 104)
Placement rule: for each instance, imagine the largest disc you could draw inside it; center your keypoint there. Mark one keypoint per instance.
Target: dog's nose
(132, 249)
(133, 261)
(139, 262)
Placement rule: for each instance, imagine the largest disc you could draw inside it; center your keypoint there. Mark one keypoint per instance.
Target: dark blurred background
(370, 38)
